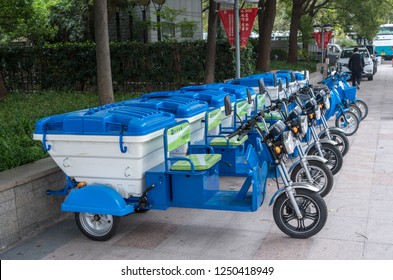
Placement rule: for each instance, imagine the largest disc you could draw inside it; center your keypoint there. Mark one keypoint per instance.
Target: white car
(368, 70)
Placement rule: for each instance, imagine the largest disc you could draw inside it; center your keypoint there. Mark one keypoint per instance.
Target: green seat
(221, 141)
(273, 116)
(262, 126)
(201, 162)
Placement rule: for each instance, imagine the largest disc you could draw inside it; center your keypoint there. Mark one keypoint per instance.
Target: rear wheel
(312, 207)
(321, 175)
(348, 122)
(98, 227)
(363, 108)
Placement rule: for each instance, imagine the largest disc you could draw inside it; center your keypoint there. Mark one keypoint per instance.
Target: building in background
(138, 21)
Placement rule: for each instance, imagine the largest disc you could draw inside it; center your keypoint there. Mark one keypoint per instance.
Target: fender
(97, 199)
(295, 186)
(332, 129)
(308, 157)
(320, 141)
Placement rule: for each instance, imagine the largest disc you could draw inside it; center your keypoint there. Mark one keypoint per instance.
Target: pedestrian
(356, 64)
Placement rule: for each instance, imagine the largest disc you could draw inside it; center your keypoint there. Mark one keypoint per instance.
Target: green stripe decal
(178, 135)
(241, 108)
(261, 101)
(214, 119)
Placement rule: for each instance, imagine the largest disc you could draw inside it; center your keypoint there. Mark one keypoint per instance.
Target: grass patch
(19, 112)
(300, 66)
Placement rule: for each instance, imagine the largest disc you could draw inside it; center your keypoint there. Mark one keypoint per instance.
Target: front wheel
(312, 207)
(332, 154)
(348, 122)
(98, 227)
(340, 138)
(321, 176)
(356, 110)
(363, 108)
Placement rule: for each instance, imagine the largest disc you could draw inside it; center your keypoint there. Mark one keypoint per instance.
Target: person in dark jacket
(356, 64)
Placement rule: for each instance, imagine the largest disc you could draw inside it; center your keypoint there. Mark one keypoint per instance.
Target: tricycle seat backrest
(177, 136)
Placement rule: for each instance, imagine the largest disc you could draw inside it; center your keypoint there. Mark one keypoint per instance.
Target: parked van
(333, 52)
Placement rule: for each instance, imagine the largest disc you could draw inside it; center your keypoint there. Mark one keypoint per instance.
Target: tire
(140, 211)
(98, 227)
(363, 108)
(356, 110)
(322, 175)
(340, 138)
(370, 78)
(311, 205)
(348, 122)
(332, 154)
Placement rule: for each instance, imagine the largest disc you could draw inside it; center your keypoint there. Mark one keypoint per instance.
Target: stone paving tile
(381, 209)
(343, 207)
(281, 247)
(380, 231)
(344, 228)
(381, 192)
(79, 250)
(377, 251)
(148, 235)
(330, 249)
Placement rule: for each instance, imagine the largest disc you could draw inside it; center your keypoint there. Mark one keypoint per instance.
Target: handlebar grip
(233, 134)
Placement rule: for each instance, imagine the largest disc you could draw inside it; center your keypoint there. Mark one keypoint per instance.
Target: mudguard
(299, 185)
(308, 157)
(97, 199)
(332, 129)
(321, 141)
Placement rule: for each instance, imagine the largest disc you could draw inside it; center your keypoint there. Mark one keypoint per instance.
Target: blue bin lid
(285, 74)
(106, 120)
(298, 75)
(181, 107)
(213, 98)
(253, 80)
(238, 90)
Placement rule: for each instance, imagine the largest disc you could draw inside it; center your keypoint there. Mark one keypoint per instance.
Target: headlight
(303, 124)
(326, 103)
(318, 114)
(288, 142)
(369, 63)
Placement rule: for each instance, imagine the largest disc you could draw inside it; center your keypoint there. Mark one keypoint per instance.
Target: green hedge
(135, 66)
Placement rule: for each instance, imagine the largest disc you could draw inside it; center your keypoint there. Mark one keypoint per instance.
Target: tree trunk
(210, 65)
(3, 89)
(104, 74)
(295, 23)
(266, 16)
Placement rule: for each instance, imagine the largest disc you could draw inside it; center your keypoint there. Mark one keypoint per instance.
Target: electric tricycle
(102, 188)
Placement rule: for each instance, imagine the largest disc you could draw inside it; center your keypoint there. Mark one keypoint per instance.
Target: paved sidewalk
(359, 226)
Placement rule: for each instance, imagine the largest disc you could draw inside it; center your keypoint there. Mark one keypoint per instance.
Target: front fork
(316, 140)
(288, 189)
(326, 128)
(304, 162)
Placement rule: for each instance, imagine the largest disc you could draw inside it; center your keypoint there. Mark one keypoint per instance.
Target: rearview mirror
(227, 105)
(293, 78)
(261, 84)
(249, 99)
(286, 82)
(280, 86)
(274, 80)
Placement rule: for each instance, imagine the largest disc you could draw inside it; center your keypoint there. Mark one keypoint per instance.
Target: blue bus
(383, 42)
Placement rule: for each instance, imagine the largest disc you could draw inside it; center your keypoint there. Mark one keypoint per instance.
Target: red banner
(326, 38)
(247, 17)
